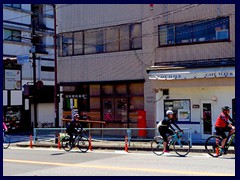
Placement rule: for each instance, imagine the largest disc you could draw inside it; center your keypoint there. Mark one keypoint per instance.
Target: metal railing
(133, 134)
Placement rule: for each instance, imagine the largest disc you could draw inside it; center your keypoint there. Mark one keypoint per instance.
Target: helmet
(76, 115)
(225, 108)
(169, 112)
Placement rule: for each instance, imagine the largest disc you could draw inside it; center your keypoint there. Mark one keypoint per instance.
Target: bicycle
(6, 141)
(80, 141)
(180, 145)
(213, 145)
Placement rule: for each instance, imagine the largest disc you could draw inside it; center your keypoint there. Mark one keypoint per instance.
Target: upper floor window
(194, 32)
(18, 6)
(12, 35)
(66, 44)
(111, 39)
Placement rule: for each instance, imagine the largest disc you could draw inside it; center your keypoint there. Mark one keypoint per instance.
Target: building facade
(28, 29)
(115, 61)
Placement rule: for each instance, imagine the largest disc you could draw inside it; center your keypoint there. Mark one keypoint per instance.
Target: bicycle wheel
(213, 146)
(83, 144)
(181, 146)
(65, 143)
(157, 145)
(6, 141)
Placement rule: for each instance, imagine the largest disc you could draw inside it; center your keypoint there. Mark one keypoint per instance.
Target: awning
(196, 73)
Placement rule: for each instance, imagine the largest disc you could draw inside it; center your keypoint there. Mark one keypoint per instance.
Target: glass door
(206, 119)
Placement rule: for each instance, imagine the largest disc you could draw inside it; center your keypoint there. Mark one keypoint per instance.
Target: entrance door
(206, 119)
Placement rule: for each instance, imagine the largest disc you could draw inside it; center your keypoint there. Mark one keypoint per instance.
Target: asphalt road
(54, 162)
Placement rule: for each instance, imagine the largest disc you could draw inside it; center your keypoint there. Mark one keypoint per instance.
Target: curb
(107, 147)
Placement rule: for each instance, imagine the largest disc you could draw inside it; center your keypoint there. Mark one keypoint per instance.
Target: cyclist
(5, 128)
(222, 125)
(163, 128)
(74, 127)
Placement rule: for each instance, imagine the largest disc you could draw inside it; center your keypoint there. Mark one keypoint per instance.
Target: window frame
(223, 21)
(11, 37)
(96, 41)
(173, 104)
(17, 6)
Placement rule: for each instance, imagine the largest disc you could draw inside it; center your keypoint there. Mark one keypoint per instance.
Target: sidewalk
(104, 144)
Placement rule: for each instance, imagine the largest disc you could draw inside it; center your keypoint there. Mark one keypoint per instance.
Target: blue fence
(48, 134)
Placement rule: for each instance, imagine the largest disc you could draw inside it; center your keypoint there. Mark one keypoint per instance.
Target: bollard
(90, 143)
(30, 138)
(126, 144)
(59, 145)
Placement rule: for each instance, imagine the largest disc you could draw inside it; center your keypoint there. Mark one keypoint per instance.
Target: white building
(122, 58)
(18, 23)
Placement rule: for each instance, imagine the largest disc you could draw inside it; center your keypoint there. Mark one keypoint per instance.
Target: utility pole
(56, 95)
(33, 51)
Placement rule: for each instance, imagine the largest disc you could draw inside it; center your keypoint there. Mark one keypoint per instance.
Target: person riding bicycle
(74, 127)
(222, 125)
(163, 128)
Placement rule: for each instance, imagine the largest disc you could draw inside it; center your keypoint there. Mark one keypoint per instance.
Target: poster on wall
(183, 115)
(13, 79)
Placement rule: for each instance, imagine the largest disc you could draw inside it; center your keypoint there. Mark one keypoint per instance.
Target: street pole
(55, 71)
(33, 51)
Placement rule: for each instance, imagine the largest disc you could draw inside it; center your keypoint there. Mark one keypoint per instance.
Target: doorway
(206, 119)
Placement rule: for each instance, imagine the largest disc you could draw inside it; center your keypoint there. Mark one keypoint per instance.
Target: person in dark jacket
(74, 127)
(163, 128)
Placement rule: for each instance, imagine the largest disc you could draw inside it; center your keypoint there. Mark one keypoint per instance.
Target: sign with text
(13, 79)
(21, 59)
(192, 74)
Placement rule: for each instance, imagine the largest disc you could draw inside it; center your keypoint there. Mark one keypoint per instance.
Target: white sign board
(192, 73)
(13, 79)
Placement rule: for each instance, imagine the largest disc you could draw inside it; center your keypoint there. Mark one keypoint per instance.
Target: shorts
(221, 131)
(164, 131)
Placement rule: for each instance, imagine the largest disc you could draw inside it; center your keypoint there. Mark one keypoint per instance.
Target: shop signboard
(13, 79)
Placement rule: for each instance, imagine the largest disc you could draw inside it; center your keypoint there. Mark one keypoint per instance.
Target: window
(195, 32)
(12, 35)
(67, 44)
(78, 43)
(93, 42)
(136, 36)
(111, 39)
(112, 43)
(180, 108)
(124, 37)
(18, 6)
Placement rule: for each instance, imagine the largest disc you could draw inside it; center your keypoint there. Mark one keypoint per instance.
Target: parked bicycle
(179, 144)
(213, 145)
(6, 141)
(80, 141)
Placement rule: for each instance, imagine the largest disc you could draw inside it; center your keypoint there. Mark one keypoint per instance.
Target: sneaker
(224, 151)
(166, 151)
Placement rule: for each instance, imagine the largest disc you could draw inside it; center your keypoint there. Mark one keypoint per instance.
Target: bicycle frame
(175, 137)
(229, 140)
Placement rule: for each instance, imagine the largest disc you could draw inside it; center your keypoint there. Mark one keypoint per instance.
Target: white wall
(45, 113)
(224, 95)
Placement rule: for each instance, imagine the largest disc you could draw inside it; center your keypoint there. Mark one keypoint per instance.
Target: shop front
(114, 103)
(195, 95)
(12, 97)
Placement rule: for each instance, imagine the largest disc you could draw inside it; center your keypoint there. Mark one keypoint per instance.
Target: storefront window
(136, 89)
(12, 118)
(116, 103)
(180, 108)
(121, 109)
(107, 89)
(121, 89)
